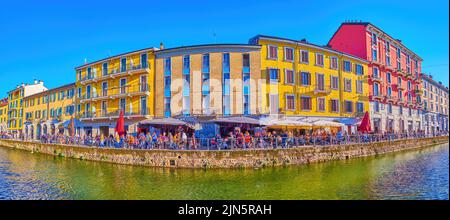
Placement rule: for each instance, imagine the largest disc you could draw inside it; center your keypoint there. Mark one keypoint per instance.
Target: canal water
(418, 174)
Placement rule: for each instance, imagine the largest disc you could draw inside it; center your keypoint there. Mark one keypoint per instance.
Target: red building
(394, 70)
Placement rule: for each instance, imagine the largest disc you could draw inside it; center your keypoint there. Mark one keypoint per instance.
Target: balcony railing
(401, 73)
(390, 98)
(376, 78)
(418, 91)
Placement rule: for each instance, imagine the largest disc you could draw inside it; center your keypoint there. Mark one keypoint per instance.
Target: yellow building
(305, 79)
(106, 86)
(15, 104)
(46, 112)
(3, 114)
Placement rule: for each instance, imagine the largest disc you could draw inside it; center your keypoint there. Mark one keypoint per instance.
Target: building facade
(15, 104)
(3, 115)
(435, 110)
(394, 75)
(105, 87)
(304, 79)
(46, 112)
(208, 80)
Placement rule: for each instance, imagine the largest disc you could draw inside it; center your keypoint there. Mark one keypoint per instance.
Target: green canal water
(418, 174)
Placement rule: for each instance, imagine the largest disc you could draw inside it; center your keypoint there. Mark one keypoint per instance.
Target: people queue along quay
(181, 140)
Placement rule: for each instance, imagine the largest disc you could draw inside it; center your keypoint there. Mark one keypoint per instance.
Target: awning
(164, 121)
(324, 123)
(237, 120)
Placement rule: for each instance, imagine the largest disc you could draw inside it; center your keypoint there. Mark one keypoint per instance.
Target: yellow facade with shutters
(297, 87)
(105, 87)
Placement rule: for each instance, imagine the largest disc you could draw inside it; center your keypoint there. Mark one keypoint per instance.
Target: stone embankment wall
(224, 159)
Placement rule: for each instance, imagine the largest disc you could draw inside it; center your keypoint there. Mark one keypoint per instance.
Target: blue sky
(47, 39)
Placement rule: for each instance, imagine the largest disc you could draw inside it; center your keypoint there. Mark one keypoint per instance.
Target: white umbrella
(324, 123)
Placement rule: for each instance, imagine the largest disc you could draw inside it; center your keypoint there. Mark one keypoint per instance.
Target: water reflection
(420, 174)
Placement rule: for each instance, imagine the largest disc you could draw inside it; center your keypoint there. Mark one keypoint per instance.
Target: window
(347, 67)
(359, 86)
(123, 64)
(290, 102)
(347, 85)
(400, 110)
(306, 78)
(389, 91)
(167, 66)
(389, 108)
(409, 85)
(320, 82)
(304, 56)
(348, 106)
(333, 63)
(288, 54)
(319, 59)
(374, 54)
(305, 103)
(335, 105)
(334, 82)
(272, 52)
(274, 75)
(321, 104)
(359, 69)
(388, 76)
(289, 77)
(409, 112)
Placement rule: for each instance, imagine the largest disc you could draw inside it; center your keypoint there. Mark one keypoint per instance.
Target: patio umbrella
(120, 126)
(365, 124)
(289, 124)
(237, 120)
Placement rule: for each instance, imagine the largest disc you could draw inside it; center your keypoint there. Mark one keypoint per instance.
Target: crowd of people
(265, 139)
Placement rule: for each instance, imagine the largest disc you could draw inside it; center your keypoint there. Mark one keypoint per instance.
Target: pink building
(394, 73)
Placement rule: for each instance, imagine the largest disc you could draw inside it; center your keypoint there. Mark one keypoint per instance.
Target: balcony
(401, 101)
(115, 72)
(418, 80)
(409, 76)
(418, 92)
(104, 115)
(376, 79)
(359, 114)
(410, 103)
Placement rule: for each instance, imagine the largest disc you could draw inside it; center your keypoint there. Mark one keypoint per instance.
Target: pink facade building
(394, 75)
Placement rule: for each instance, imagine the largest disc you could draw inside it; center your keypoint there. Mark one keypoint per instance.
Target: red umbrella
(365, 124)
(120, 126)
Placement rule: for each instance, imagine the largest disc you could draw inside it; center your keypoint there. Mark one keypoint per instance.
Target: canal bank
(225, 158)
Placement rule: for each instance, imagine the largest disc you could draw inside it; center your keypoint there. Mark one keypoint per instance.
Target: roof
(305, 43)
(51, 90)
(115, 56)
(431, 80)
(379, 29)
(206, 46)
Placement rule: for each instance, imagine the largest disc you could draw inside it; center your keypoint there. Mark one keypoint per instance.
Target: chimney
(399, 40)
(161, 46)
(303, 40)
